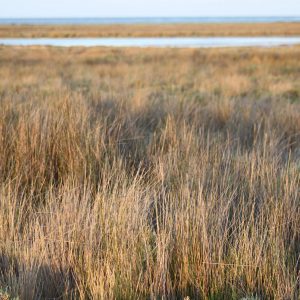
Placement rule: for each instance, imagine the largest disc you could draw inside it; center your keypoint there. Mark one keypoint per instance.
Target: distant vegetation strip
(150, 30)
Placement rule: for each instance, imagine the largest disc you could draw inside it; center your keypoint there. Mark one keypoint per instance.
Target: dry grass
(149, 30)
(149, 174)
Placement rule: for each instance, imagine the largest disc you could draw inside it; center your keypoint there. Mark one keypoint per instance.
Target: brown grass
(149, 174)
(148, 30)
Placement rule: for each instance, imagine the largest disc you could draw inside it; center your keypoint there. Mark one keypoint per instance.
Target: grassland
(148, 30)
(149, 174)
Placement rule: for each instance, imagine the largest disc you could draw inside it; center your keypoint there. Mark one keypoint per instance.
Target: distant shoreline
(151, 30)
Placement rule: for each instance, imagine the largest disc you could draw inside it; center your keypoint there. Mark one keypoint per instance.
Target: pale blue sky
(144, 8)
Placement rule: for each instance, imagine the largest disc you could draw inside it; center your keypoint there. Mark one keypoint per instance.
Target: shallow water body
(161, 42)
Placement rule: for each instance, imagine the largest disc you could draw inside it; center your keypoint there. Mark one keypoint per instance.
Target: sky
(147, 8)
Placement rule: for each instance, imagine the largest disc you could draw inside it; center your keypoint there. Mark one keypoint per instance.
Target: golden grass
(150, 30)
(149, 173)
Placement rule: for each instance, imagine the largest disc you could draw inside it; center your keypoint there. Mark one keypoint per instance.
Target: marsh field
(150, 30)
(149, 173)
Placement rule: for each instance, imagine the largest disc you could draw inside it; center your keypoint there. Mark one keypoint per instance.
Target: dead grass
(149, 174)
(150, 30)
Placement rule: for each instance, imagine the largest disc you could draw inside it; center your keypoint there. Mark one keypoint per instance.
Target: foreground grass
(149, 174)
(150, 30)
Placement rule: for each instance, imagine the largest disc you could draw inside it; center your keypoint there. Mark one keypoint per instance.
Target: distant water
(156, 20)
(177, 42)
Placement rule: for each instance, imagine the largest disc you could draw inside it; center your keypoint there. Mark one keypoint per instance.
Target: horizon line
(152, 17)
